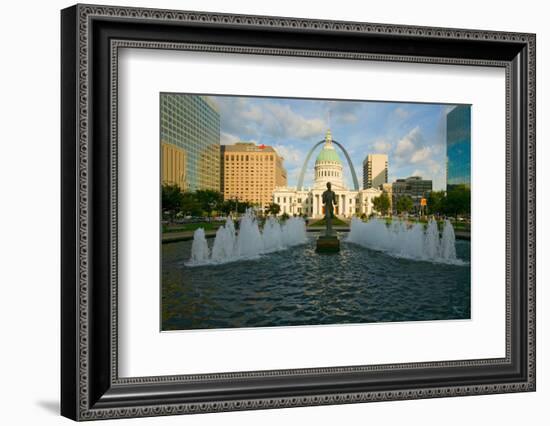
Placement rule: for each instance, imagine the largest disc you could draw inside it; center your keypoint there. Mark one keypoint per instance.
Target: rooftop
(247, 147)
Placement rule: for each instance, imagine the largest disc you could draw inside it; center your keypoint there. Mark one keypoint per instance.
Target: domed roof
(328, 153)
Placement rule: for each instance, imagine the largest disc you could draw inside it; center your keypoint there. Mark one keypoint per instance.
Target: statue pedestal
(328, 244)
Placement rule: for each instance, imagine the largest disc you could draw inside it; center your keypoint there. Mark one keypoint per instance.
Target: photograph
(272, 208)
(279, 212)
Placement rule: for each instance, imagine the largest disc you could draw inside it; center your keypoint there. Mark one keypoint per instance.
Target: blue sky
(413, 135)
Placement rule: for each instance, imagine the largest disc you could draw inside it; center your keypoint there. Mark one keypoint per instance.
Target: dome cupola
(328, 153)
(328, 166)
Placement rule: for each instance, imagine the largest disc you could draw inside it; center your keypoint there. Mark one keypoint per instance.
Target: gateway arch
(310, 153)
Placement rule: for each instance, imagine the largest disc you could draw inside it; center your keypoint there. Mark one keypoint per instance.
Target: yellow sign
(423, 202)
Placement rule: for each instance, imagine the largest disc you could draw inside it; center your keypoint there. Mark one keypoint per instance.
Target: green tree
(273, 208)
(190, 205)
(171, 200)
(404, 204)
(243, 206)
(436, 201)
(235, 205)
(209, 200)
(457, 201)
(227, 206)
(382, 204)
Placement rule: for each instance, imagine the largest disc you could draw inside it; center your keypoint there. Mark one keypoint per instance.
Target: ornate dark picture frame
(91, 37)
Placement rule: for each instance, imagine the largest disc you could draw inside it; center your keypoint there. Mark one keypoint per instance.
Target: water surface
(301, 287)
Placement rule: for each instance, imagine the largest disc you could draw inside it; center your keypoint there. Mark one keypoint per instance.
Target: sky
(412, 135)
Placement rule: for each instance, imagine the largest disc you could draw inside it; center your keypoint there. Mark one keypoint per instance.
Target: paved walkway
(172, 237)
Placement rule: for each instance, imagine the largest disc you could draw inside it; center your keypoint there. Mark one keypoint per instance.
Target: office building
(414, 187)
(458, 146)
(173, 165)
(251, 172)
(190, 125)
(375, 170)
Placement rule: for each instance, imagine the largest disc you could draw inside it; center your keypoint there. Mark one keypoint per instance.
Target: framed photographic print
(263, 212)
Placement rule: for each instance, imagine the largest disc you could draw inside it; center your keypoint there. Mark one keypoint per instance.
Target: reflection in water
(300, 287)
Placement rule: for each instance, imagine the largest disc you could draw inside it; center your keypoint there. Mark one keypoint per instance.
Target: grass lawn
(207, 226)
(462, 226)
(335, 222)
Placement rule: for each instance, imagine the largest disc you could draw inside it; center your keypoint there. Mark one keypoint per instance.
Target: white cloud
(412, 149)
(421, 155)
(253, 113)
(292, 156)
(343, 112)
(382, 146)
(401, 112)
(408, 143)
(228, 139)
(427, 158)
(348, 118)
(404, 146)
(287, 123)
(249, 120)
(293, 129)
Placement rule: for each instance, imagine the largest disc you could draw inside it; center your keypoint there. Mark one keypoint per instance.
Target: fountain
(272, 235)
(250, 242)
(224, 243)
(405, 240)
(199, 249)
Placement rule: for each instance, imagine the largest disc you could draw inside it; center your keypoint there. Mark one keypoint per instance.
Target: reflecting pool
(298, 286)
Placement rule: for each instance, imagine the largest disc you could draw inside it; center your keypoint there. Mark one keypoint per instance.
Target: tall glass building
(192, 124)
(458, 146)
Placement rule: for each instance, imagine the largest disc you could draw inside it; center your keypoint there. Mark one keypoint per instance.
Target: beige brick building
(375, 171)
(251, 172)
